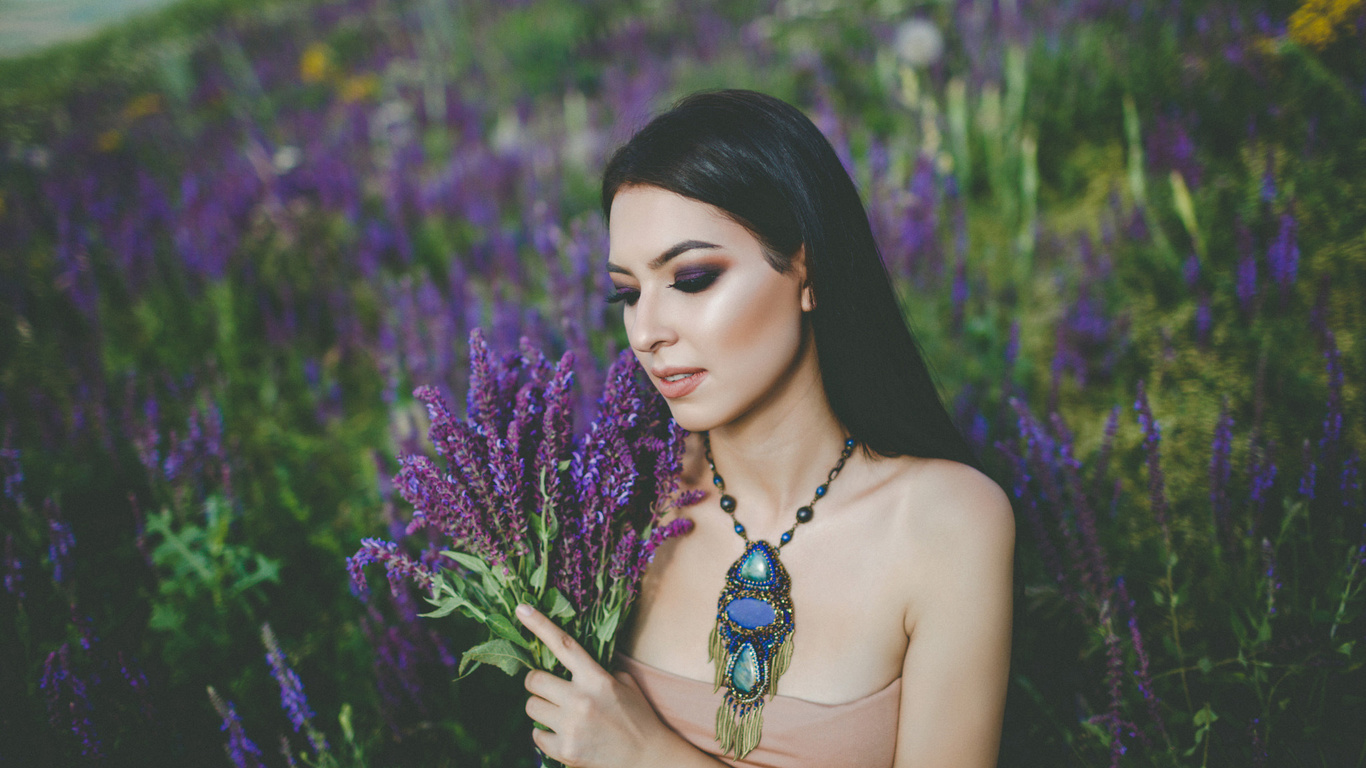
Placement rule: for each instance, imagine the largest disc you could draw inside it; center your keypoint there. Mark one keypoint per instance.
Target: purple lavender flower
(1350, 483)
(1143, 674)
(1273, 585)
(292, 698)
(1169, 147)
(1152, 443)
(1192, 271)
(1262, 472)
(68, 703)
(1310, 477)
(61, 542)
(12, 470)
(14, 570)
(586, 512)
(1204, 320)
(1284, 255)
(137, 682)
(241, 750)
(397, 565)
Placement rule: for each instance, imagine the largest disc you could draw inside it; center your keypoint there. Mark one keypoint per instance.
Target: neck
(773, 459)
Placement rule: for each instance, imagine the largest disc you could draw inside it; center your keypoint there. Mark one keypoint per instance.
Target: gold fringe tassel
(780, 662)
(716, 652)
(739, 735)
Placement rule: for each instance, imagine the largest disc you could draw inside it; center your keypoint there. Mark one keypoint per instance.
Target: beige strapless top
(797, 733)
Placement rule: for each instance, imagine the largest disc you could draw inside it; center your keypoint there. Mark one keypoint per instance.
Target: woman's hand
(596, 719)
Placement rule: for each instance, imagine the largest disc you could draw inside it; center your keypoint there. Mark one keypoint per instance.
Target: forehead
(648, 220)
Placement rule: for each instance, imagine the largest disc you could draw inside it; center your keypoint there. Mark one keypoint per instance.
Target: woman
(879, 605)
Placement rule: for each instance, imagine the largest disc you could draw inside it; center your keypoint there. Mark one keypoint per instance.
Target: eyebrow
(665, 257)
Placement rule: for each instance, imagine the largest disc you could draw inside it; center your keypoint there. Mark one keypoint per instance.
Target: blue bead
(716, 481)
(751, 612)
(739, 528)
(849, 443)
(820, 491)
(786, 537)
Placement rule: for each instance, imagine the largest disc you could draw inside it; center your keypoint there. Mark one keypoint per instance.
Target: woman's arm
(597, 719)
(957, 665)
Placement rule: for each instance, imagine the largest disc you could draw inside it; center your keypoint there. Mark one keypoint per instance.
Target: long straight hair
(765, 164)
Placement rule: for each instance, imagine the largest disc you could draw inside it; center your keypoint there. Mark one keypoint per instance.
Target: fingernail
(524, 610)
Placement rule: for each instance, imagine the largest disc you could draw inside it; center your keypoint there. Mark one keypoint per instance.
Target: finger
(544, 741)
(543, 712)
(547, 686)
(566, 648)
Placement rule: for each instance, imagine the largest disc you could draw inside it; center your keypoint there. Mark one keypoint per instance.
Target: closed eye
(623, 295)
(695, 281)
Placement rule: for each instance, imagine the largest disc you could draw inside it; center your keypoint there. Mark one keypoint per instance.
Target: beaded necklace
(751, 644)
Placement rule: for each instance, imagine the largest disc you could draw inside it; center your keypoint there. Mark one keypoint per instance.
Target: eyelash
(690, 283)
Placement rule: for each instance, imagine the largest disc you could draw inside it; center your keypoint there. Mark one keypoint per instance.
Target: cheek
(756, 329)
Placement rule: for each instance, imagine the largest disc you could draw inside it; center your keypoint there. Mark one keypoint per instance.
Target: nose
(649, 324)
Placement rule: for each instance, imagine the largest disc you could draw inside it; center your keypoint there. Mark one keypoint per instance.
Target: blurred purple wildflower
(241, 750)
(292, 698)
(14, 570)
(1152, 449)
(1170, 148)
(68, 702)
(1262, 474)
(1283, 256)
(61, 542)
(1269, 574)
(137, 682)
(1143, 674)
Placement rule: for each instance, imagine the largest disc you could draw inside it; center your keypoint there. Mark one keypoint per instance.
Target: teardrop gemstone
(755, 567)
(751, 612)
(745, 674)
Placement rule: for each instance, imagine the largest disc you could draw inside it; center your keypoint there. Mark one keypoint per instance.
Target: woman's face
(717, 328)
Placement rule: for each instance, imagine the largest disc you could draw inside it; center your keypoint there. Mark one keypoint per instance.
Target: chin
(693, 419)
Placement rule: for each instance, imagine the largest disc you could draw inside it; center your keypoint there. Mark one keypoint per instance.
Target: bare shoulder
(957, 530)
(948, 504)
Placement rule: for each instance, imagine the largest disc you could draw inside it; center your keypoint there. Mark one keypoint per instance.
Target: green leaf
(560, 607)
(504, 628)
(608, 627)
(538, 576)
(499, 653)
(472, 562)
(1204, 665)
(564, 465)
(449, 605)
(1204, 717)
(1346, 648)
(548, 660)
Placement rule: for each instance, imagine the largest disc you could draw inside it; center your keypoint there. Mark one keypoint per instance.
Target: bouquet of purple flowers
(526, 513)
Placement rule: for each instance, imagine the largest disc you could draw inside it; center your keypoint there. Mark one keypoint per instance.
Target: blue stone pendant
(751, 644)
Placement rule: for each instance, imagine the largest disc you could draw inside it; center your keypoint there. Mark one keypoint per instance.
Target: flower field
(235, 238)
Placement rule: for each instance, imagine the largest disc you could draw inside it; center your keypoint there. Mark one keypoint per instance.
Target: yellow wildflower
(109, 140)
(142, 106)
(1316, 23)
(359, 87)
(315, 65)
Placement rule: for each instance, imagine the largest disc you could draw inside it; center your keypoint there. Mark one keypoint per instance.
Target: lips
(692, 377)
